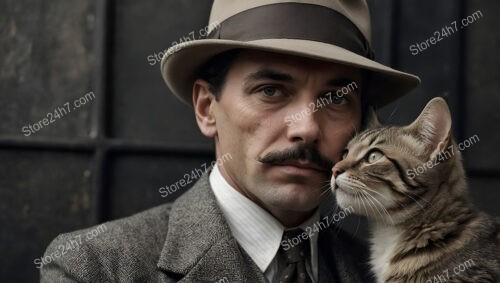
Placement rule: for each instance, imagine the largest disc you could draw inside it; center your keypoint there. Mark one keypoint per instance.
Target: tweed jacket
(189, 241)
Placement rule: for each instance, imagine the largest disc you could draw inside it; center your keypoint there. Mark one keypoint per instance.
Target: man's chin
(298, 197)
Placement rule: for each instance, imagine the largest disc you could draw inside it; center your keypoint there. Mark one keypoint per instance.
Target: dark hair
(215, 70)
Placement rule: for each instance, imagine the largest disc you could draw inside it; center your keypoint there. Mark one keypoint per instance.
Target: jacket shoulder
(115, 250)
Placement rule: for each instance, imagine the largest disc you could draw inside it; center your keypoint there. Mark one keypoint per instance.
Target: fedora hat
(337, 31)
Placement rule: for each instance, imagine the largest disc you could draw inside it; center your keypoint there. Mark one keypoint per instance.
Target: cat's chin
(344, 199)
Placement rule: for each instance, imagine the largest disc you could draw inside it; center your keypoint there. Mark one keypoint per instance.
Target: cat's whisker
(325, 190)
(370, 202)
(395, 201)
(385, 197)
(407, 194)
(421, 206)
(426, 201)
(381, 206)
(374, 205)
(357, 193)
(329, 216)
(364, 187)
(362, 200)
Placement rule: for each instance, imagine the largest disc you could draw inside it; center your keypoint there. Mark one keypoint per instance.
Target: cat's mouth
(344, 187)
(348, 191)
(336, 188)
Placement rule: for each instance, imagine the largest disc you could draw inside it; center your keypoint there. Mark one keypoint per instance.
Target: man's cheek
(335, 147)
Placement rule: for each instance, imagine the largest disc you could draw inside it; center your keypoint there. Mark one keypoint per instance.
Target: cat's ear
(371, 119)
(433, 126)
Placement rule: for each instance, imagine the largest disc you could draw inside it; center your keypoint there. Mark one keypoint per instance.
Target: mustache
(301, 152)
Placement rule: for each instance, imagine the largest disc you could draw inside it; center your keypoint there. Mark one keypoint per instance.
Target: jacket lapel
(199, 245)
(342, 258)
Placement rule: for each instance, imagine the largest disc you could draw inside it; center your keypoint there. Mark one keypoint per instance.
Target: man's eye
(338, 100)
(270, 91)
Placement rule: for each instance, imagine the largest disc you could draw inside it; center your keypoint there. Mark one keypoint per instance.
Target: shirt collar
(256, 230)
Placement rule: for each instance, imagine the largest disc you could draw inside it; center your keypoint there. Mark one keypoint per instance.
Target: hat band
(294, 21)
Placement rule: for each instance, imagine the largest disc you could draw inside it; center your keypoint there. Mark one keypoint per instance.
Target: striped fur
(423, 226)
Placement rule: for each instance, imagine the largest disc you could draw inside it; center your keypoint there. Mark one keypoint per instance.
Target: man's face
(282, 141)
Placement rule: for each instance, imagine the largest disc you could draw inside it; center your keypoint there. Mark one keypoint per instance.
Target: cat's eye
(373, 156)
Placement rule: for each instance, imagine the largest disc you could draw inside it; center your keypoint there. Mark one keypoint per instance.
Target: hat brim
(181, 63)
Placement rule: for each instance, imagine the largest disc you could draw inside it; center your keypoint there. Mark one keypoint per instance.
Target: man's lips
(303, 165)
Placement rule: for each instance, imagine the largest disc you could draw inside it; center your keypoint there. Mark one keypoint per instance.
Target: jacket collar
(342, 258)
(199, 245)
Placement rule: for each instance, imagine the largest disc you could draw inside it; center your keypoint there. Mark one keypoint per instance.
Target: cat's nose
(336, 171)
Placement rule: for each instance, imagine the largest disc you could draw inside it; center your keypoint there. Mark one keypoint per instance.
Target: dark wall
(108, 158)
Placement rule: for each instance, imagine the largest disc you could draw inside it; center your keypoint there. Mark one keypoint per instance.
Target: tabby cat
(410, 183)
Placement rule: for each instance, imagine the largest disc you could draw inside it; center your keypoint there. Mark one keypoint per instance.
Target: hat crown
(354, 10)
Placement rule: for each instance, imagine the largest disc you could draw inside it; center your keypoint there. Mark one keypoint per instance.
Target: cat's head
(389, 170)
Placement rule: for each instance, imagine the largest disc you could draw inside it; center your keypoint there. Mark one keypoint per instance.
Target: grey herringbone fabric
(188, 241)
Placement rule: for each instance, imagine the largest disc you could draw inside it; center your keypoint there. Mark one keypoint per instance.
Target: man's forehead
(254, 61)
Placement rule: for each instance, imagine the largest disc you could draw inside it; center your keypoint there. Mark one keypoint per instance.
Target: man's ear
(203, 103)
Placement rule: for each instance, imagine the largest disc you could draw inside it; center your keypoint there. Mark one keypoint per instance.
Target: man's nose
(305, 127)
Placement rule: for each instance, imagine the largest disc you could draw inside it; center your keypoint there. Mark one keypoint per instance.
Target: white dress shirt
(256, 230)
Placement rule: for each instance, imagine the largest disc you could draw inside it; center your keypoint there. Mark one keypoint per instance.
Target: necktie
(292, 256)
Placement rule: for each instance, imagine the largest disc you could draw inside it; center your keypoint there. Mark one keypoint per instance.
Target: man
(271, 86)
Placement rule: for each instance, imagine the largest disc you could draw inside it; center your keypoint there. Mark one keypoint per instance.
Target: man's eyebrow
(270, 74)
(339, 82)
